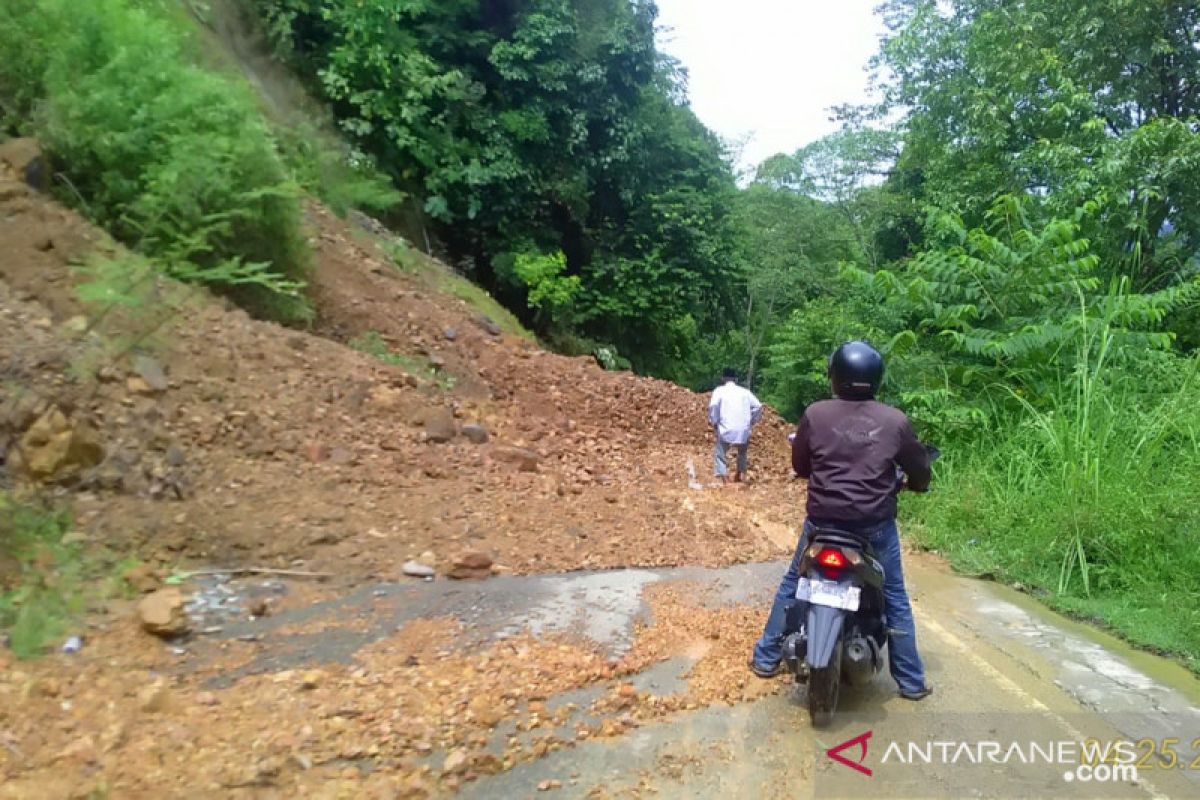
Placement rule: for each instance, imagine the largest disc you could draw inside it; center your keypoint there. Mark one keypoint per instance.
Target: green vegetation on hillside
(174, 160)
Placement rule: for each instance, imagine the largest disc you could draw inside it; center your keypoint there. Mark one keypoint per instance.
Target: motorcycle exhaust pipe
(859, 661)
(795, 648)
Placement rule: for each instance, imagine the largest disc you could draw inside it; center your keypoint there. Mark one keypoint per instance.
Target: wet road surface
(1021, 694)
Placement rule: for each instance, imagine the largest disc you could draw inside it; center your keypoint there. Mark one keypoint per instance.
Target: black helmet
(856, 371)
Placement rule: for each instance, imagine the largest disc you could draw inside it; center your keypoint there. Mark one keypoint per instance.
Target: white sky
(771, 68)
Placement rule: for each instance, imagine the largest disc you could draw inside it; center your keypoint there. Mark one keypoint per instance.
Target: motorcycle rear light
(831, 559)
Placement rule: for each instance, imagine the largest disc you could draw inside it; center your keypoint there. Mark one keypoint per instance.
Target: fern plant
(172, 159)
(1009, 304)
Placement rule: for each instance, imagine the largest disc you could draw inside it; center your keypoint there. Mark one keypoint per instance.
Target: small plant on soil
(373, 344)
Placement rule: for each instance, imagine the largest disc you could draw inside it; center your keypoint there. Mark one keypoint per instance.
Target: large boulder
(55, 449)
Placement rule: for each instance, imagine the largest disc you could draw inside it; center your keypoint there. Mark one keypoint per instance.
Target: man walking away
(732, 411)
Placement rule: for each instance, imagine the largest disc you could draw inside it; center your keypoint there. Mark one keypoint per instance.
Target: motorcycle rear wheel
(823, 688)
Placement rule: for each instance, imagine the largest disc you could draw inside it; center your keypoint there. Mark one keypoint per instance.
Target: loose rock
(24, 156)
(56, 449)
(417, 570)
(440, 426)
(156, 698)
(142, 578)
(161, 613)
(488, 325)
(477, 434)
(174, 456)
(258, 607)
(315, 452)
(455, 762)
(471, 565)
(80, 751)
(151, 372)
(524, 459)
(385, 398)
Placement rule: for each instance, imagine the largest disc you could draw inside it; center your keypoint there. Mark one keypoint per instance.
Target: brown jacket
(849, 451)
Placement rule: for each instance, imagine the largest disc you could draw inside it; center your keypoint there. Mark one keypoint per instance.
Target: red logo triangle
(861, 740)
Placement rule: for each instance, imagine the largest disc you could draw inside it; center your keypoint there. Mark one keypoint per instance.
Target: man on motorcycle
(849, 449)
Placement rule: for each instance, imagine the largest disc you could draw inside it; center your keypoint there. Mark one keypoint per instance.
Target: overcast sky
(771, 68)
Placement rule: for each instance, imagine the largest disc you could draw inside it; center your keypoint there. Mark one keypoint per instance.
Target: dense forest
(1015, 223)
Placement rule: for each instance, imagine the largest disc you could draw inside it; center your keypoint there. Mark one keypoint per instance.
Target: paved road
(1019, 692)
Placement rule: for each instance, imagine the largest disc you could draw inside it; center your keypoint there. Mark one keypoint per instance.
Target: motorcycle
(837, 627)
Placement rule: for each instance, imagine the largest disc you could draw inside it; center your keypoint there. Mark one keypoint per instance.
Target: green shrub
(175, 161)
(344, 179)
(548, 291)
(39, 576)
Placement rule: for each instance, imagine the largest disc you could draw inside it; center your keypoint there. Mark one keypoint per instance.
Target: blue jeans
(721, 454)
(903, 660)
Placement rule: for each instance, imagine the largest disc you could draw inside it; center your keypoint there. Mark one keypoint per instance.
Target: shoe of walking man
(733, 412)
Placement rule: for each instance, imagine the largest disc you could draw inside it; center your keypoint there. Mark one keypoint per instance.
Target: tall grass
(1092, 499)
(174, 160)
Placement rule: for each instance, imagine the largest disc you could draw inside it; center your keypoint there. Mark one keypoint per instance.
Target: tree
(839, 169)
(1065, 101)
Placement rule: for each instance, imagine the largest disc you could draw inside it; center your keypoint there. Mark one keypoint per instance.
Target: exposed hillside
(275, 447)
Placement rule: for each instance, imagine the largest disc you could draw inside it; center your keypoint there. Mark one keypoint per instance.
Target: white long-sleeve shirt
(734, 410)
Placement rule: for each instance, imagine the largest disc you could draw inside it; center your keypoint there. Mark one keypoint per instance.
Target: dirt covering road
(613, 684)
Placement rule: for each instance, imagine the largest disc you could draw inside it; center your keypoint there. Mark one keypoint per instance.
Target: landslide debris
(192, 434)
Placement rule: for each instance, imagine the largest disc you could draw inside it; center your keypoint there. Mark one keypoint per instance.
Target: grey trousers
(720, 454)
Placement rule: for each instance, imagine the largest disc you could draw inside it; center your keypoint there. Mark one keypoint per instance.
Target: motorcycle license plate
(828, 593)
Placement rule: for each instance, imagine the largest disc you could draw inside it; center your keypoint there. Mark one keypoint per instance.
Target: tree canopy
(533, 128)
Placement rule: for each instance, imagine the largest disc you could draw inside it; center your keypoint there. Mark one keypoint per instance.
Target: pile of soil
(235, 441)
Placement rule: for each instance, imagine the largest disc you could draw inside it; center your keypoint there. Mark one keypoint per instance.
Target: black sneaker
(765, 672)
(920, 694)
